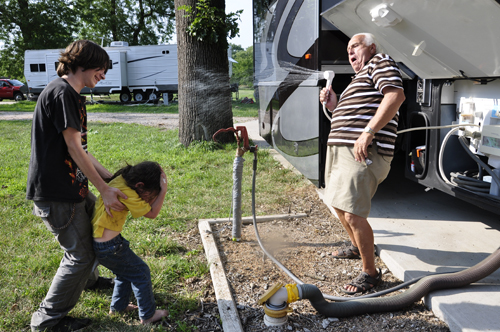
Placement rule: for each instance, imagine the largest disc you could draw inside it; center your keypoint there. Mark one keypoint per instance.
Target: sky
(245, 39)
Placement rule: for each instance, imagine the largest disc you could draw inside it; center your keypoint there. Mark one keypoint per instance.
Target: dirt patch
(304, 246)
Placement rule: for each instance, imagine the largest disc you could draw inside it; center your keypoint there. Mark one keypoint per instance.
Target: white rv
(141, 72)
(449, 56)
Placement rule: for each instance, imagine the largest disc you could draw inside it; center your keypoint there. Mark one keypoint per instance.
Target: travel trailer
(449, 55)
(138, 72)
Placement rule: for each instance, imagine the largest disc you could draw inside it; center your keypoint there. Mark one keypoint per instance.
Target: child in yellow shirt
(145, 185)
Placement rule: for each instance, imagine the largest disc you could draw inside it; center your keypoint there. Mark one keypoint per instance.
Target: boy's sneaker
(68, 324)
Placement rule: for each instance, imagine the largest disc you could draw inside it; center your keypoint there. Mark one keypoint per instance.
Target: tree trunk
(113, 20)
(204, 92)
(140, 23)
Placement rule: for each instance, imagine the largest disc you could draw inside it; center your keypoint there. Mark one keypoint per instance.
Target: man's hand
(110, 199)
(330, 97)
(361, 146)
(393, 98)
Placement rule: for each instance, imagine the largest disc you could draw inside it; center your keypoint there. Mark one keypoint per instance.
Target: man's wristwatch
(369, 130)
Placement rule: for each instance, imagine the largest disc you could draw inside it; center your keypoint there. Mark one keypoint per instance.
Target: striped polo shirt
(359, 102)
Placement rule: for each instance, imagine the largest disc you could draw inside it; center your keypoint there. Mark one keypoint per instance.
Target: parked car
(12, 89)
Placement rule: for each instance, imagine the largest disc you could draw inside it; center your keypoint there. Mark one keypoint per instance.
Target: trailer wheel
(125, 97)
(153, 95)
(139, 96)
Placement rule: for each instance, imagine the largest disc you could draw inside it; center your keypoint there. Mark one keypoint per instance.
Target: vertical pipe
(237, 179)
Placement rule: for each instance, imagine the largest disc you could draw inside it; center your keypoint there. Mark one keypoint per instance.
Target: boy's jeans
(132, 274)
(70, 224)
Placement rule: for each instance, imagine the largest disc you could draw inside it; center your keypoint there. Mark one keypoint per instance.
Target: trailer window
(110, 65)
(56, 64)
(37, 67)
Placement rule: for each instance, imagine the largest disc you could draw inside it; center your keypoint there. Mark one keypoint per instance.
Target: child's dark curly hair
(82, 53)
(147, 172)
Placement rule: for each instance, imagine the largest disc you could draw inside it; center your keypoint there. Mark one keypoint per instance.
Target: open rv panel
(450, 76)
(435, 38)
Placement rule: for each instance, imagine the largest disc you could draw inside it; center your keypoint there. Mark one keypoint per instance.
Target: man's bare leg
(347, 227)
(362, 237)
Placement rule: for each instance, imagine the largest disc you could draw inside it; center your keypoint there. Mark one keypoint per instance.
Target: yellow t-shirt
(134, 203)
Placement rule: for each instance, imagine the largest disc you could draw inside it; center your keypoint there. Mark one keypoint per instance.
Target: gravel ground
(303, 245)
(166, 121)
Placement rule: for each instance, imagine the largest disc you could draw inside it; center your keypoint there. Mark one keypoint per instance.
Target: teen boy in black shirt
(60, 167)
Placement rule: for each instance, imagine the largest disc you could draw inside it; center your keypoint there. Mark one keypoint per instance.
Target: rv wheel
(139, 96)
(125, 97)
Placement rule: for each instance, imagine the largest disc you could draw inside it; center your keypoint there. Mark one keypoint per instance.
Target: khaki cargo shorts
(350, 185)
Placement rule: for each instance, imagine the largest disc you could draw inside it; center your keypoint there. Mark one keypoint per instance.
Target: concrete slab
(419, 233)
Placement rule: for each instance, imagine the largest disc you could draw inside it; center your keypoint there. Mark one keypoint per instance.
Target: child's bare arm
(157, 204)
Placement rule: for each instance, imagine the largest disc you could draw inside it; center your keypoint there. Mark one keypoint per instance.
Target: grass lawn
(200, 186)
(239, 109)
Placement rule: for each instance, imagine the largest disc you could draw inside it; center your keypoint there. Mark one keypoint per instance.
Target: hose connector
(293, 293)
(276, 303)
(471, 133)
(276, 317)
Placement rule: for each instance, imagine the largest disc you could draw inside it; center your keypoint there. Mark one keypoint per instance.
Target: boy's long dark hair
(147, 172)
(82, 53)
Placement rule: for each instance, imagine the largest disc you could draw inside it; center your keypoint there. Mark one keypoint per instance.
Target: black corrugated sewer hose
(367, 304)
(393, 303)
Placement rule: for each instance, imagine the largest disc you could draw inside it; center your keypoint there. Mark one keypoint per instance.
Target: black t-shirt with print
(52, 174)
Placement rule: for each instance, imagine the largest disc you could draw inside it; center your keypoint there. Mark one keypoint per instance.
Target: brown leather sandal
(363, 283)
(350, 252)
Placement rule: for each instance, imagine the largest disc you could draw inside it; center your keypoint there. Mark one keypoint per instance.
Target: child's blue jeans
(132, 274)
